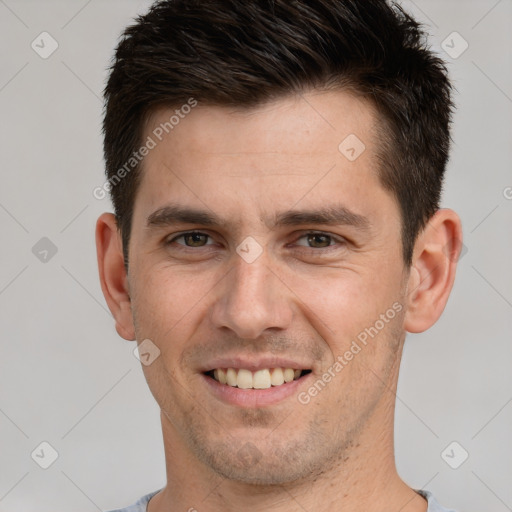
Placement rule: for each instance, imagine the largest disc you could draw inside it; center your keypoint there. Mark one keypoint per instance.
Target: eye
(192, 239)
(317, 240)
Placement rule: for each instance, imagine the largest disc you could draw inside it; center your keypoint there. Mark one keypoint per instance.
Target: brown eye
(320, 243)
(319, 240)
(192, 239)
(195, 239)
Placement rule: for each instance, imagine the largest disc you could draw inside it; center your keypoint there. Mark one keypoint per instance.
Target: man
(276, 169)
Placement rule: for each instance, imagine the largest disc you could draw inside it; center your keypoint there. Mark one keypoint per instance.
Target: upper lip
(254, 364)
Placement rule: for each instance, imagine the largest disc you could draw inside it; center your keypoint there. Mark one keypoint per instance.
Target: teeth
(222, 376)
(289, 374)
(244, 379)
(277, 377)
(231, 377)
(261, 379)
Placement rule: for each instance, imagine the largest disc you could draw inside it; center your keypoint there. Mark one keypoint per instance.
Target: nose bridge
(252, 299)
(251, 282)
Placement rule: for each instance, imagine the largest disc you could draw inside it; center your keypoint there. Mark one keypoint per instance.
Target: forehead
(303, 148)
(322, 119)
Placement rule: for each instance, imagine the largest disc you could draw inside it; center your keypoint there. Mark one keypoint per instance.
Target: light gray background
(67, 378)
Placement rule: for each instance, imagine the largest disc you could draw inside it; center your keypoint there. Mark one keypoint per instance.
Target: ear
(435, 257)
(113, 278)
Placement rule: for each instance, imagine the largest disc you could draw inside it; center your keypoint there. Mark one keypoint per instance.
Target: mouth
(265, 378)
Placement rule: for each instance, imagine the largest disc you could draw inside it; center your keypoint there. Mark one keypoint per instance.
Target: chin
(269, 466)
(261, 475)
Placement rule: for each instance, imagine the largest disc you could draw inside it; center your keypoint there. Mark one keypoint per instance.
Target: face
(257, 243)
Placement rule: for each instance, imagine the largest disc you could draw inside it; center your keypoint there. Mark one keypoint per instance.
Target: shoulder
(433, 505)
(139, 506)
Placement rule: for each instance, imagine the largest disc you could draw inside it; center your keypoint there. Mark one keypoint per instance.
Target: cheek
(344, 299)
(346, 308)
(166, 301)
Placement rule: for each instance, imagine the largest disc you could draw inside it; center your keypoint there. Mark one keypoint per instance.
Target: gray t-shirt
(142, 503)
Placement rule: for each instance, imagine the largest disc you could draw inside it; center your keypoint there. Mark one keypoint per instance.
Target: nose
(251, 300)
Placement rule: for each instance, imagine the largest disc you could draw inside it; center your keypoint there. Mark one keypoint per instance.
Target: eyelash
(333, 238)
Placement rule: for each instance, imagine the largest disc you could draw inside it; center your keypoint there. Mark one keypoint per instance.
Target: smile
(260, 379)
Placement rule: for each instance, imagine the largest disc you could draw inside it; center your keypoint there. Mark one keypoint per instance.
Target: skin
(306, 298)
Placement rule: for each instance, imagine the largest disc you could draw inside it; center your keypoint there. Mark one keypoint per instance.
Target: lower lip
(254, 398)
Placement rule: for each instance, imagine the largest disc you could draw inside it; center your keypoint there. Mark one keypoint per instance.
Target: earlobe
(433, 270)
(113, 278)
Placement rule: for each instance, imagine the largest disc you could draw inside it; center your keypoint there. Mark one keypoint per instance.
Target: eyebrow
(330, 216)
